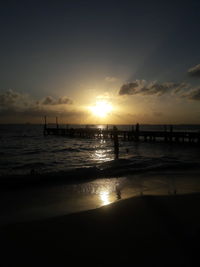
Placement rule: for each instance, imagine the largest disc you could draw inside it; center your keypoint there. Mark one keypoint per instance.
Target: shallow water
(48, 201)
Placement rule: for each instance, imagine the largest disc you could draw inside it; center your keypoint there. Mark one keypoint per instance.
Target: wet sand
(140, 231)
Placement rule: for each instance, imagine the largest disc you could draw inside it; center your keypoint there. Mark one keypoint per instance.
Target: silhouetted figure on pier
(57, 126)
(137, 130)
(116, 142)
(71, 132)
(45, 126)
(137, 127)
(45, 122)
(171, 133)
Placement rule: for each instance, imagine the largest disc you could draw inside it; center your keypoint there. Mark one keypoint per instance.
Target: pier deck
(126, 135)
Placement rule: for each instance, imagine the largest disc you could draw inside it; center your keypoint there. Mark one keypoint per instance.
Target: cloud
(49, 100)
(38, 112)
(193, 94)
(17, 107)
(155, 88)
(128, 89)
(111, 79)
(181, 87)
(142, 87)
(131, 88)
(12, 103)
(194, 71)
(12, 98)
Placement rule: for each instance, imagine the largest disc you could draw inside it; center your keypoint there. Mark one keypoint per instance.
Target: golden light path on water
(102, 153)
(104, 197)
(106, 188)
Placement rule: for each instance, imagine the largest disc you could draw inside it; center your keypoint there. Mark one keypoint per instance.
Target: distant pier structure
(135, 134)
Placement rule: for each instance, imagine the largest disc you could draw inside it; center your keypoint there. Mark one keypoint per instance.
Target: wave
(80, 149)
(33, 152)
(114, 168)
(23, 136)
(30, 165)
(142, 164)
(69, 149)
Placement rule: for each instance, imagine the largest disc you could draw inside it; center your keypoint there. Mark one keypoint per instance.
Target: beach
(140, 231)
(68, 202)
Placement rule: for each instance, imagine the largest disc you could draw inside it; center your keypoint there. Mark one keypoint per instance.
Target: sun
(101, 109)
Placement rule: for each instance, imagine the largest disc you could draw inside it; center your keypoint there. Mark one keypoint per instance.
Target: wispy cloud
(49, 100)
(12, 98)
(15, 99)
(194, 71)
(143, 87)
(193, 94)
(13, 102)
(111, 79)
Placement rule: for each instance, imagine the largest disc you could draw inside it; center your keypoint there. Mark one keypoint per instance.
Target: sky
(116, 62)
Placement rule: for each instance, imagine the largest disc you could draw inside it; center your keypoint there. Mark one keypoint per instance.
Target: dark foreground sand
(141, 231)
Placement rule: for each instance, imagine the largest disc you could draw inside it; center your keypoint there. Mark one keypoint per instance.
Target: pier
(135, 134)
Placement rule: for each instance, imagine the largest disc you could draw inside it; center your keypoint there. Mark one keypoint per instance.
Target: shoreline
(145, 230)
(82, 175)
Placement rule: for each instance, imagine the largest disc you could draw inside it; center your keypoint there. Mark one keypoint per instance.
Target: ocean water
(24, 148)
(72, 175)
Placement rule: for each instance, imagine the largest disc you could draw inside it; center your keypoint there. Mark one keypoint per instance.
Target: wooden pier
(127, 135)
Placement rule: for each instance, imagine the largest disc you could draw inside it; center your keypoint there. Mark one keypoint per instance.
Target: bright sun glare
(104, 196)
(101, 109)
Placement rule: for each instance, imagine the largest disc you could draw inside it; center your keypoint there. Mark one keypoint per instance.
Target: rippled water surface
(23, 148)
(85, 173)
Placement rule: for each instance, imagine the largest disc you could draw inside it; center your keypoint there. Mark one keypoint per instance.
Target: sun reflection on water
(102, 155)
(102, 151)
(104, 197)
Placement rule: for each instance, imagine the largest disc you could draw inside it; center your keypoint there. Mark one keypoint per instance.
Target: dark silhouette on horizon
(136, 135)
(116, 142)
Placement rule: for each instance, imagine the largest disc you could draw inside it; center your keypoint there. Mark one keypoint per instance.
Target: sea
(45, 176)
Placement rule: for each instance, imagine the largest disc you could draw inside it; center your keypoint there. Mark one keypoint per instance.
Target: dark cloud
(130, 88)
(156, 89)
(13, 103)
(193, 94)
(49, 100)
(39, 112)
(194, 71)
(152, 88)
(10, 98)
(181, 87)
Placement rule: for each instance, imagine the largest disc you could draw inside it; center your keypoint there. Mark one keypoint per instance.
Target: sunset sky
(135, 61)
